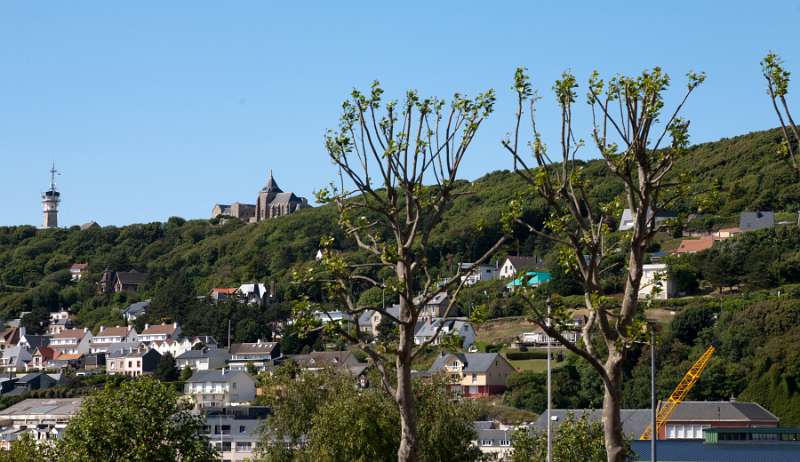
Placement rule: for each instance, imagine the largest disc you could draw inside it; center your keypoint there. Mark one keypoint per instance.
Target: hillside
(33, 262)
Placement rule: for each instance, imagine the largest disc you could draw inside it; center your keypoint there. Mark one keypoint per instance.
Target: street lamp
(549, 391)
(653, 401)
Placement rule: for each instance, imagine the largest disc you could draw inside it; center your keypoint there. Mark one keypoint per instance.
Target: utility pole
(549, 393)
(653, 401)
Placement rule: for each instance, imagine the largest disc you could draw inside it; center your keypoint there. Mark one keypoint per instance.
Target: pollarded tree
(778, 87)
(401, 160)
(627, 135)
(143, 419)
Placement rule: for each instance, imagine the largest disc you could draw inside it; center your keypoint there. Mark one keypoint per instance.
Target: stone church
(271, 202)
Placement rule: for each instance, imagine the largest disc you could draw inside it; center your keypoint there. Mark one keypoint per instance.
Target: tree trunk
(409, 445)
(612, 401)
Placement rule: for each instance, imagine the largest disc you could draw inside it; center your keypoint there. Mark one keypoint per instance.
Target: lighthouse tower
(50, 201)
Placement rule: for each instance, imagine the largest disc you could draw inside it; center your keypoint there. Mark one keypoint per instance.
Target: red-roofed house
(219, 294)
(41, 356)
(9, 338)
(695, 245)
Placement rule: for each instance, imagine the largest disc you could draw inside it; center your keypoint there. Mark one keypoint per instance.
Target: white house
(217, 389)
(493, 439)
(260, 354)
(71, 342)
(253, 293)
(459, 327)
(236, 432)
(539, 337)
(628, 218)
(174, 347)
(160, 332)
(203, 360)
(516, 264)
(107, 337)
(44, 419)
(478, 274)
(656, 282)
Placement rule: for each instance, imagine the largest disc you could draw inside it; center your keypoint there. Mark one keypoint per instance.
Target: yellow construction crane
(679, 394)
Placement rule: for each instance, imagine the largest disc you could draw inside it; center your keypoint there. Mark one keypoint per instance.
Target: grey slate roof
(214, 376)
(35, 341)
(721, 410)
(634, 421)
(137, 308)
(428, 329)
(522, 262)
(473, 362)
(750, 221)
(131, 277)
(201, 354)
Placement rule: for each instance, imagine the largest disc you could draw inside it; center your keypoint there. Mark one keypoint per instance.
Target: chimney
(175, 325)
(101, 328)
(85, 329)
(146, 326)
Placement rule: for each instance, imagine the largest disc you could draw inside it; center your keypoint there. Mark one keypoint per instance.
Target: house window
(505, 443)
(243, 446)
(241, 428)
(474, 377)
(486, 442)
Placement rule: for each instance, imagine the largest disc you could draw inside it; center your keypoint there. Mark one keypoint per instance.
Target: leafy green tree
(404, 179)
(186, 373)
(778, 79)
(26, 449)
(576, 439)
(338, 421)
(166, 370)
(691, 320)
(387, 331)
(143, 419)
(631, 143)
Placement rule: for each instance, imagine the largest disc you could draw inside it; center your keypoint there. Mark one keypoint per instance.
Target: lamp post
(653, 401)
(549, 392)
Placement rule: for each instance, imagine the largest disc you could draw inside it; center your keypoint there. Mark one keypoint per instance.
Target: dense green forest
(201, 254)
(185, 259)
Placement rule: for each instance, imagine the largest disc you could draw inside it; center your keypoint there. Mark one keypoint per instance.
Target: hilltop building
(271, 202)
(50, 200)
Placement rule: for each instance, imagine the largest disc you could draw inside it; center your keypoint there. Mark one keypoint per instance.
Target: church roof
(272, 185)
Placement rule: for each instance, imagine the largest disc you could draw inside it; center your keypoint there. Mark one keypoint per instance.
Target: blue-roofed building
(529, 279)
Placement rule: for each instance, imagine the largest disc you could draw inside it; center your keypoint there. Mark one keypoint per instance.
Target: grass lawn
(492, 408)
(503, 330)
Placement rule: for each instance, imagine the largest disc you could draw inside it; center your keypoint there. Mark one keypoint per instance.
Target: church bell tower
(50, 200)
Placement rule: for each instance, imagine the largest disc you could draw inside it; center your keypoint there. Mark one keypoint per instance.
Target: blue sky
(154, 109)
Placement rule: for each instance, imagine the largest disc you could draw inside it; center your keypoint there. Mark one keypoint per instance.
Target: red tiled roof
(46, 352)
(159, 329)
(224, 290)
(116, 331)
(70, 333)
(68, 357)
(695, 245)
